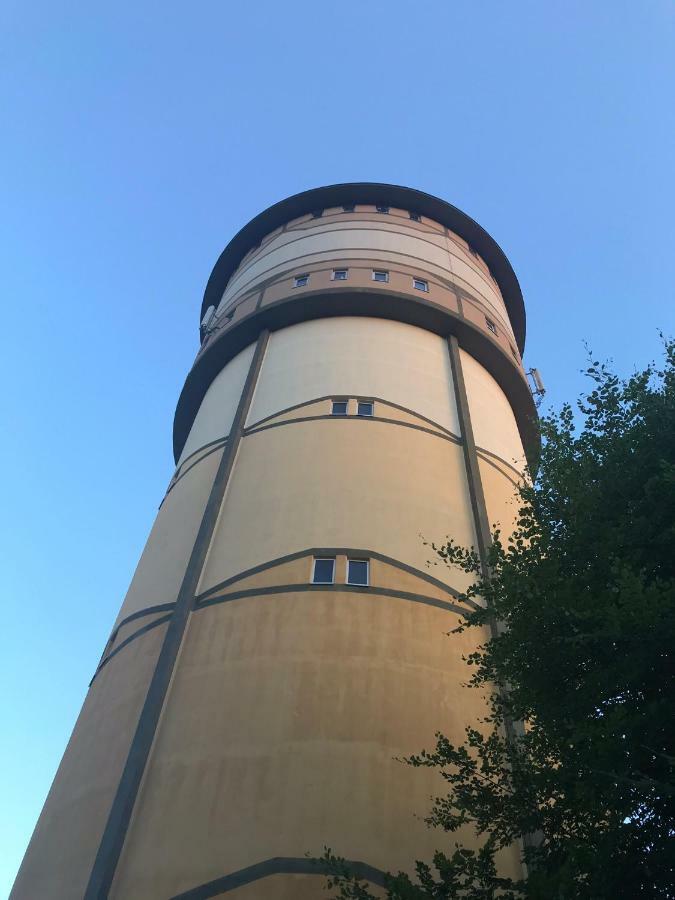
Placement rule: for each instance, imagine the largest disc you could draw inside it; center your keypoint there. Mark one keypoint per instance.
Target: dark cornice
(372, 193)
(329, 303)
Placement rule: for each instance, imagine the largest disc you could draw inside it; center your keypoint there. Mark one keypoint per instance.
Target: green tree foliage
(584, 592)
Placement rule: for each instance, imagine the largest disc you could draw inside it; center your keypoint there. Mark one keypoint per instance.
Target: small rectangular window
(357, 571)
(339, 408)
(491, 325)
(380, 275)
(301, 280)
(382, 209)
(364, 408)
(324, 570)
(317, 213)
(349, 208)
(416, 217)
(420, 284)
(340, 274)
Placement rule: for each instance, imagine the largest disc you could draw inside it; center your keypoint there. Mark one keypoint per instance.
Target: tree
(584, 594)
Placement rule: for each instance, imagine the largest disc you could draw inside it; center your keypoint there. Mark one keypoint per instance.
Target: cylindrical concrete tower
(359, 390)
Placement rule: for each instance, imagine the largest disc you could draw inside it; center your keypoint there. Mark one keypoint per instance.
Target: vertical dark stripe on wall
(478, 507)
(483, 533)
(112, 841)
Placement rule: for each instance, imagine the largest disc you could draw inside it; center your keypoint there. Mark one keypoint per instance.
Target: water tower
(359, 388)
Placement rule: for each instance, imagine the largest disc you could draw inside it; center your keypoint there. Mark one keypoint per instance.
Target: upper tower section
(364, 249)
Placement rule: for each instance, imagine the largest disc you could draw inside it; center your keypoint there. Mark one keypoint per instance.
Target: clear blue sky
(138, 137)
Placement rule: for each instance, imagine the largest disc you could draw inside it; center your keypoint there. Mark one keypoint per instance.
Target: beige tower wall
(286, 716)
(63, 846)
(216, 414)
(501, 458)
(161, 567)
(494, 424)
(287, 703)
(288, 709)
(357, 357)
(346, 468)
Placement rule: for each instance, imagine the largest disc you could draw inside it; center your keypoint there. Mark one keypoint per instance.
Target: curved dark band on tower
(325, 304)
(278, 865)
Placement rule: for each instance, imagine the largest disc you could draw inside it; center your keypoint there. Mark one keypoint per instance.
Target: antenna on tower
(207, 321)
(536, 385)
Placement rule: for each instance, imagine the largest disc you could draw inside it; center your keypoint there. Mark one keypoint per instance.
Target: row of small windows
(351, 207)
(363, 408)
(323, 571)
(381, 275)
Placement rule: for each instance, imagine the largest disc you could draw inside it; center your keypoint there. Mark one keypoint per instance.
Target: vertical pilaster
(112, 841)
(476, 494)
(512, 729)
